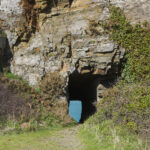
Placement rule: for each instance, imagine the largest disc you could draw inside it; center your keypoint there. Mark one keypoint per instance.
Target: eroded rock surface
(135, 10)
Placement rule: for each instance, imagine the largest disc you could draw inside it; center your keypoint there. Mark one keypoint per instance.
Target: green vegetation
(52, 85)
(11, 76)
(2, 33)
(30, 109)
(123, 116)
(136, 40)
(129, 101)
(30, 140)
(128, 105)
(33, 120)
(108, 136)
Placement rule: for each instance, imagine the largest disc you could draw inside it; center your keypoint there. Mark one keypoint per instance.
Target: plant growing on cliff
(127, 104)
(129, 101)
(136, 40)
(2, 33)
(52, 86)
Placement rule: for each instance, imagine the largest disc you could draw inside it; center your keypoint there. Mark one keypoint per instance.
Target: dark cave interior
(84, 88)
(5, 53)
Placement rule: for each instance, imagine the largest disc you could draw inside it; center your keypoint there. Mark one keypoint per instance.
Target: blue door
(75, 109)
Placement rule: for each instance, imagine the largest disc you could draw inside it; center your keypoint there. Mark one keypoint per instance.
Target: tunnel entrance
(5, 52)
(84, 88)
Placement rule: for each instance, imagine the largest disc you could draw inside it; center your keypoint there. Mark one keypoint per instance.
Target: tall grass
(108, 136)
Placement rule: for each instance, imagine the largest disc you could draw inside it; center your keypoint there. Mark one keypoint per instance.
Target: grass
(89, 139)
(39, 140)
(56, 138)
(11, 76)
(108, 136)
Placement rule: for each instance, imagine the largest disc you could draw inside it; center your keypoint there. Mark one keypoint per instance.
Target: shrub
(127, 105)
(25, 107)
(129, 101)
(52, 86)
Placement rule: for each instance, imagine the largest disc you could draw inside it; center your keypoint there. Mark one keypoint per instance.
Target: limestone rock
(10, 15)
(135, 10)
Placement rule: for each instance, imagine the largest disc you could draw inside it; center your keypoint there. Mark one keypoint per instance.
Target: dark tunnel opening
(5, 52)
(84, 88)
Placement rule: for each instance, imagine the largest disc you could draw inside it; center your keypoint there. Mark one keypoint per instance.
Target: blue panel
(75, 109)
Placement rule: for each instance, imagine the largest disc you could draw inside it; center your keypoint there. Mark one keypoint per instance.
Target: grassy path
(60, 139)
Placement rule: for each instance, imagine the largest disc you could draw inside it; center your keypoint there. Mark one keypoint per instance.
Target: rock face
(64, 36)
(66, 42)
(10, 16)
(135, 10)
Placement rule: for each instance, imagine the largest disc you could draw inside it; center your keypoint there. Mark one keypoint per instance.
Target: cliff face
(64, 36)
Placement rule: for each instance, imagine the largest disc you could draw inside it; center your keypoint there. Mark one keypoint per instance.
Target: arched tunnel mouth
(83, 87)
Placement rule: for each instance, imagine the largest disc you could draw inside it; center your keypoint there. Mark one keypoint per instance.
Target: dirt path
(67, 139)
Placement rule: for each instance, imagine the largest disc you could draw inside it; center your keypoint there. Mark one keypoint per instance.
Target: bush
(52, 86)
(129, 101)
(23, 107)
(127, 105)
